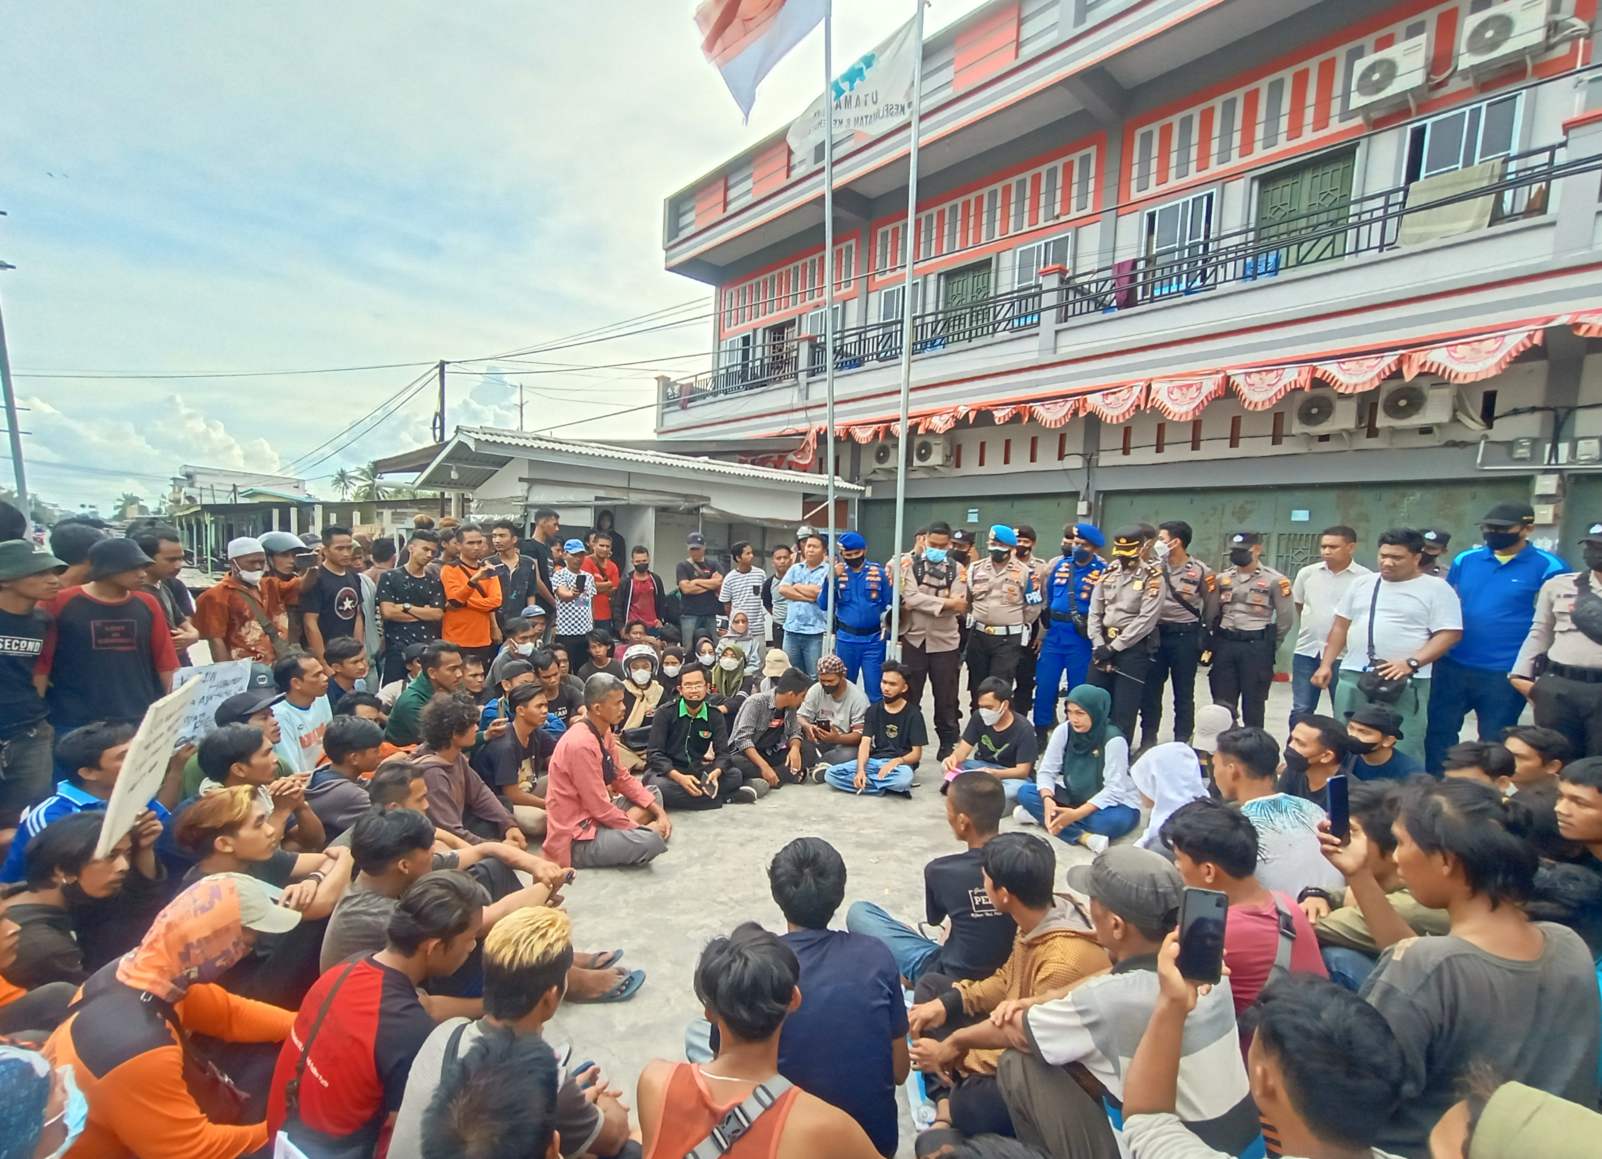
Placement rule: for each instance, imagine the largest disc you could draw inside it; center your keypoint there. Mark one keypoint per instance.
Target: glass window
(1465, 137)
(1048, 211)
(992, 212)
(1020, 199)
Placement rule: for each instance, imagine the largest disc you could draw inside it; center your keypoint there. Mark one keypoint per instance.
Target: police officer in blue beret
(862, 592)
(1066, 591)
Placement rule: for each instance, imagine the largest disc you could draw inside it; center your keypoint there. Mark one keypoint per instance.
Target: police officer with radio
(1254, 615)
(862, 592)
(934, 598)
(1189, 605)
(1560, 666)
(1123, 625)
(999, 589)
(1066, 592)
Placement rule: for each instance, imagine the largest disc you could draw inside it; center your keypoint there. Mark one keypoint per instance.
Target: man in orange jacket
(472, 597)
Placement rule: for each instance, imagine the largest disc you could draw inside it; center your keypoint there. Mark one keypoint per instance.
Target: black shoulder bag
(1371, 684)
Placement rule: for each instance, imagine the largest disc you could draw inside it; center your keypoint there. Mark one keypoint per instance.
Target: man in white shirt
(1317, 592)
(303, 714)
(742, 591)
(1398, 623)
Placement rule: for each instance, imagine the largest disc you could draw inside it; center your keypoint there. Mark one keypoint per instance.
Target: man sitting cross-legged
(980, 936)
(687, 757)
(893, 737)
(767, 741)
(997, 741)
(833, 713)
(1055, 949)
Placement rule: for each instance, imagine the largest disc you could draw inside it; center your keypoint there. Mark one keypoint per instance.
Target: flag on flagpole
(744, 39)
(872, 95)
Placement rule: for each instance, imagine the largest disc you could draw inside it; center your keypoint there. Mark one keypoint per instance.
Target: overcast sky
(200, 187)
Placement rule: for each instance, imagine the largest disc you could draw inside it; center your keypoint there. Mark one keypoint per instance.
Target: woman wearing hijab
(127, 1043)
(729, 679)
(1082, 791)
(1168, 776)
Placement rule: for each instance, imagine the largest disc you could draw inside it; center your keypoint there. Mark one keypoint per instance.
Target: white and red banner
(744, 39)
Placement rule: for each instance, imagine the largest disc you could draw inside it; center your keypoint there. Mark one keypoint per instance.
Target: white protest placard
(145, 766)
(217, 683)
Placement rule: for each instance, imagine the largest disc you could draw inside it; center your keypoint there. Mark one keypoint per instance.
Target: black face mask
(1240, 556)
(642, 568)
(999, 554)
(1361, 746)
(960, 554)
(1500, 540)
(1593, 556)
(1295, 763)
(855, 564)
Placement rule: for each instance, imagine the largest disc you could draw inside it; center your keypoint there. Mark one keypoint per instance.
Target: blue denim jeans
(25, 770)
(911, 950)
(1111, 822)
(690, 625)
(1348, 967)
(1009, 785)
(1457, 690)
(1304, 697)
(843, 777)
(804, 650)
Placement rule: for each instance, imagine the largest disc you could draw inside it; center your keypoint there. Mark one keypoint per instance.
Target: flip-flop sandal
(624, 990)
(603, 960)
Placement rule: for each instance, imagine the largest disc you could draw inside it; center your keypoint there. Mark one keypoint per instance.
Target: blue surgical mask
(934, 554)
(74, 1115)
(1082, 554)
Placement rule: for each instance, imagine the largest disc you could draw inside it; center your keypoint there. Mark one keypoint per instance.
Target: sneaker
(1094, 842)
(945, 751)
(746, 795)
(817, 772)
(1024, 816)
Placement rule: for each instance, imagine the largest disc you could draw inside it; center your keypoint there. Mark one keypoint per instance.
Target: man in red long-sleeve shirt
(472, 597)
(585, 828)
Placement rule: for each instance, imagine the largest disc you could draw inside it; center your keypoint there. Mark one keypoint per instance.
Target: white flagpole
(909, 254)
(828, 309)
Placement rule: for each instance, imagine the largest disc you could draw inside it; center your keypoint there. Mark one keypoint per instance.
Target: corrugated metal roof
(522, 440)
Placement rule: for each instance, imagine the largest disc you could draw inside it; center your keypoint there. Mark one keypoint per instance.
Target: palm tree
(342, 482)
(368, 487)
(128, 501)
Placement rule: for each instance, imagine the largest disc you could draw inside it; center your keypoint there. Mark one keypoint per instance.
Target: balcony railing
(1370, 224)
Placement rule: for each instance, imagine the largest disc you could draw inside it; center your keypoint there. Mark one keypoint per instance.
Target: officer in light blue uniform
(1068, 584)
(862, 592)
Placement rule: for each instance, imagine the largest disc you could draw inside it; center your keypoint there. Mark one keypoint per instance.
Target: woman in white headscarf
(1168, 776)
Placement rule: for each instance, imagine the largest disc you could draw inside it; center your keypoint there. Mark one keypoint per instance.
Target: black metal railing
(1369, 224)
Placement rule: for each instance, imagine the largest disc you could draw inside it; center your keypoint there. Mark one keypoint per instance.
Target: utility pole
(14, 431)
(442, 427)
(520, 407)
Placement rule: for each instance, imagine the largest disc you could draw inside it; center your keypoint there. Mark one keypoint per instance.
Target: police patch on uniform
(1284, 586)
(1212, 583)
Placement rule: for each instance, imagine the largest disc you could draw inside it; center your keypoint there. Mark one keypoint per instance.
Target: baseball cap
(1091, 534)
(1509, 515)
(774, 664)
(241, 706)
(1435, 537)
(258, 905)
(962, 535)
(111, 556)
(18, 558)
(1001, 533)
(1383, 719)
(1211, 719)
(245, 545)
(1244, 539)
(574, 547)
(1593, 533)
(261, 676)
(853, 541)
(1136, 884)
(695, 539)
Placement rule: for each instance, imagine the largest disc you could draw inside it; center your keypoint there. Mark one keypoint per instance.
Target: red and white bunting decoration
(1058, 412)
(1587, 324)
(1183, 399)
(1116, 405)
(1473, 360)
(1005, 414)
(867, 432)
(1355, 375)
(1263, 389)
(941, 421)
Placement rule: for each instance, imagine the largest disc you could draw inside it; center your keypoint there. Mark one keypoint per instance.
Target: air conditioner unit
(1323, 412)
(931, 453)
(1416, 404)
(1390, 77)
(882, 459)
(1502, 34)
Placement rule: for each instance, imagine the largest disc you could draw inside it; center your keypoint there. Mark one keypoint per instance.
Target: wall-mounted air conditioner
(1390, 78)
(1502, 34)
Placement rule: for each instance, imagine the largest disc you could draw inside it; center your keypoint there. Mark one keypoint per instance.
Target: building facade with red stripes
(1279, 265)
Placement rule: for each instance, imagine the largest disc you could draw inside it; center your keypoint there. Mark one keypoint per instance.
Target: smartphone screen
(1340, 817)
(1201, 934)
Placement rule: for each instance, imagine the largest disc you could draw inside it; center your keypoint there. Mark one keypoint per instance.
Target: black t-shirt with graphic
(399, 586)
(894, 733)
(1015, 745)
(335, 598)
(564, 705)
(981, 935)
(21, 641)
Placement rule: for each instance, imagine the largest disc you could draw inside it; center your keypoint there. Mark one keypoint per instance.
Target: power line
(106, 374)
(425, 376)
(645, 317)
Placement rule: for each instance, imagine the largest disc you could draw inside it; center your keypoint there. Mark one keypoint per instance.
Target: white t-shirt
(301, 729)
(1407, 614)
(1318, 592)
(1289, 857)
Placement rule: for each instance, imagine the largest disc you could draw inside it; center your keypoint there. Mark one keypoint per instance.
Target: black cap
(1593, 533)
(1435, 538)
(962, 535)
(241, 706)
(1245, 539)
(1128, 534)
(1379, 717)
(111, 556)
(1509, 515)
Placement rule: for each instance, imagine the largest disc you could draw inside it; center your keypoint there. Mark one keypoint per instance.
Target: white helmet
(640, 652)
(277, 542)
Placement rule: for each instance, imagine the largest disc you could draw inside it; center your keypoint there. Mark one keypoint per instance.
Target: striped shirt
(742, 591)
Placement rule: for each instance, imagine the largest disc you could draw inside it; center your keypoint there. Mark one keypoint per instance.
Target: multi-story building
(1265, 264)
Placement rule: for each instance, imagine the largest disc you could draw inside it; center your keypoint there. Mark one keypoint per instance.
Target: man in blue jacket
(1065, 647)
(862, 592)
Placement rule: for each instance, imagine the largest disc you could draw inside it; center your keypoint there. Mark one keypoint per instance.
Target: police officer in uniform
(1065, 593)
(1435, 541)
(1123, 625)
(934, 599)
(862, 592)
(1566, 691)
(1023, 687)
(1254, 615)
(1190, 602)
(999, 590)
